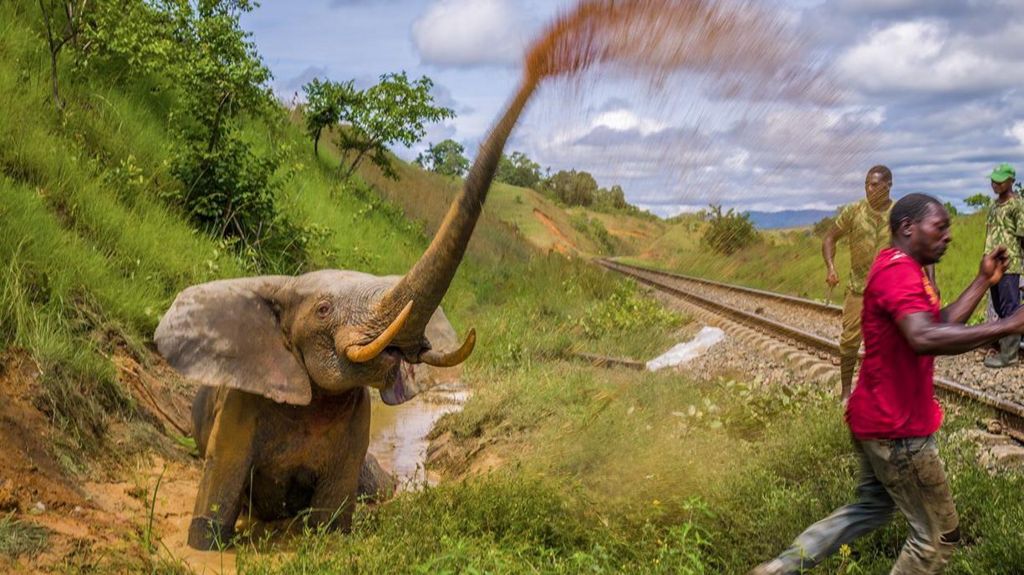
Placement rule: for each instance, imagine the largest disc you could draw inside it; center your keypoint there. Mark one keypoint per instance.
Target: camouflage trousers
(849, 341)
(904, 474)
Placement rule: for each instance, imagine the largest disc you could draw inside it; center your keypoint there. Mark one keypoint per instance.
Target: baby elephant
(283, 419)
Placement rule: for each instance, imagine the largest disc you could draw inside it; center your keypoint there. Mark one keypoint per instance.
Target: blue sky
(931, 88)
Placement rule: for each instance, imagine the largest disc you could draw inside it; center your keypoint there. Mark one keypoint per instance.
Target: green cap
(1002, 173)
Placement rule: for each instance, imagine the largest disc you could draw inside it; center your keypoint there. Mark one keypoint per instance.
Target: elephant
(285, 364)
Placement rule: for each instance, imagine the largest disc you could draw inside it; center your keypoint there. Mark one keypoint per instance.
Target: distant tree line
(569, 187)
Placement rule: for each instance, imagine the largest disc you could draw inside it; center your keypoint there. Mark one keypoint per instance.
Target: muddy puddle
(398, 434)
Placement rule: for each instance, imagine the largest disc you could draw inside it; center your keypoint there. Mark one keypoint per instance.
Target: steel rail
(799, 301)
(1011, 413)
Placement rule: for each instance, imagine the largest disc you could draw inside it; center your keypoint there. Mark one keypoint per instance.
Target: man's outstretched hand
(993, 265)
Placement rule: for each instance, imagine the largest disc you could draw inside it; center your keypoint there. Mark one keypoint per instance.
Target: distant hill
(787, 218)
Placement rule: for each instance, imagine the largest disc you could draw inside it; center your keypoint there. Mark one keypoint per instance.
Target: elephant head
(326, 332)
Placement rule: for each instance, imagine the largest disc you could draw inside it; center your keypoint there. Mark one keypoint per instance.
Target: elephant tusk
(364, 353)
(452, 358)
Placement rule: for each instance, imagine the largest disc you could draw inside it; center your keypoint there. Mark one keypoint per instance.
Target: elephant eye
(323, 309)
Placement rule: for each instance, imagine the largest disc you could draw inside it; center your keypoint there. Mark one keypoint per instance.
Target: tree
(325, 103)
(573, 188)
(446, 158)
(978, 201)
(610, 200)
(518, 170)
(951, 209)
(393, 111)
(63, 22)
(210, 69)
(728, 232)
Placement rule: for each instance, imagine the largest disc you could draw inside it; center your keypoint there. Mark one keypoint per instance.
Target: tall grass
(18, 538)
(607, 471)
(790, 261)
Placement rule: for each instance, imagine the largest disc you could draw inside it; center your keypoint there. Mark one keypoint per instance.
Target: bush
(593, 228)
(822, 226)
(729, 232)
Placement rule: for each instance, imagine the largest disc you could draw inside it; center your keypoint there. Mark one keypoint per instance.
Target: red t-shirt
(894, 397)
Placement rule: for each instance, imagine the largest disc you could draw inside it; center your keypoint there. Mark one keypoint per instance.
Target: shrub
(729, 232)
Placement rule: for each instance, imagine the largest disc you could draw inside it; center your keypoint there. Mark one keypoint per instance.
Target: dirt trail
(562, 244)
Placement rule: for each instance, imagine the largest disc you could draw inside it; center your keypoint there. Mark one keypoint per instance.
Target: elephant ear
(440, 332)
(227, 333)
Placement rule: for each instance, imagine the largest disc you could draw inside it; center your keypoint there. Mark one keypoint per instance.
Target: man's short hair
(880, 169)
(913, 207)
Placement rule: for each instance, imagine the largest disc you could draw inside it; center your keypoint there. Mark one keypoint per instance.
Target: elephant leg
(203, 414)
(226, 472)
(334, 499)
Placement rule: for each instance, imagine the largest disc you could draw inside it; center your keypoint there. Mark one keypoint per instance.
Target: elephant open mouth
(400, 383)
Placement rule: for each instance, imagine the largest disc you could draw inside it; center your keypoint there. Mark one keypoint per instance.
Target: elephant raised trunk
(428, 280)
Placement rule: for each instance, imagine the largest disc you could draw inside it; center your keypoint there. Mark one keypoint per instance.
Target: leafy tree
(207, 65)
(393, 111)
(951, 209)
(518, 170)
(729, 232)
(446, 158)
(611, 200)
(325, 103)
(573, 188)
(618, 197)
(978, 201)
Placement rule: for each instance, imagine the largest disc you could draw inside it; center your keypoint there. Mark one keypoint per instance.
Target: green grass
(606, 471)
(790, 261)
(20, 538)
(615, 472)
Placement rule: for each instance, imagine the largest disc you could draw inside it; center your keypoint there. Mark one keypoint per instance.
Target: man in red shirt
(892, 412)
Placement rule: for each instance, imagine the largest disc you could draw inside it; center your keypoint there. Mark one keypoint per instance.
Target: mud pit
(103, 522)
(398, 434)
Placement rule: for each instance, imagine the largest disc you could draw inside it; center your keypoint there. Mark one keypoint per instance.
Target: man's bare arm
(828, 251)
(927, 337)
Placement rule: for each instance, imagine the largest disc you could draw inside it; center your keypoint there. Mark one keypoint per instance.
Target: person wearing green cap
(865, 224)
(1005, 227)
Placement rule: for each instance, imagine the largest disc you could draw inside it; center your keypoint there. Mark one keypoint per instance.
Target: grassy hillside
(599, 471)
(529, 215)
(790, 261)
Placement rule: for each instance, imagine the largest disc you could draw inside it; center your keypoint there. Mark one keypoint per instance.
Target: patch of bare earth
(98, 521)
(562, 244)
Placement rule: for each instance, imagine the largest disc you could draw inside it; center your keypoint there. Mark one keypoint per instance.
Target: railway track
(1010, 413)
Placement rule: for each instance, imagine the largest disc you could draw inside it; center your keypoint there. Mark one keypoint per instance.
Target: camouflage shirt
(867, 232)
(1004, 227)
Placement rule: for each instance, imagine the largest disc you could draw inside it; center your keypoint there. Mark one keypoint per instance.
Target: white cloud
(625, 121)
(924, 56)
(1017, 131)
(466, 33)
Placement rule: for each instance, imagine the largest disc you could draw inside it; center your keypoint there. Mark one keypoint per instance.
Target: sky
(930, 88)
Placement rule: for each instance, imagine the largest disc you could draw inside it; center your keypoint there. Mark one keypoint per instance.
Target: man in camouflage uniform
(865, 224)
(1005, 227)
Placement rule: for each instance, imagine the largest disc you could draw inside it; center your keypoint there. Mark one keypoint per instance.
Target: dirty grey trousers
(902, 473)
